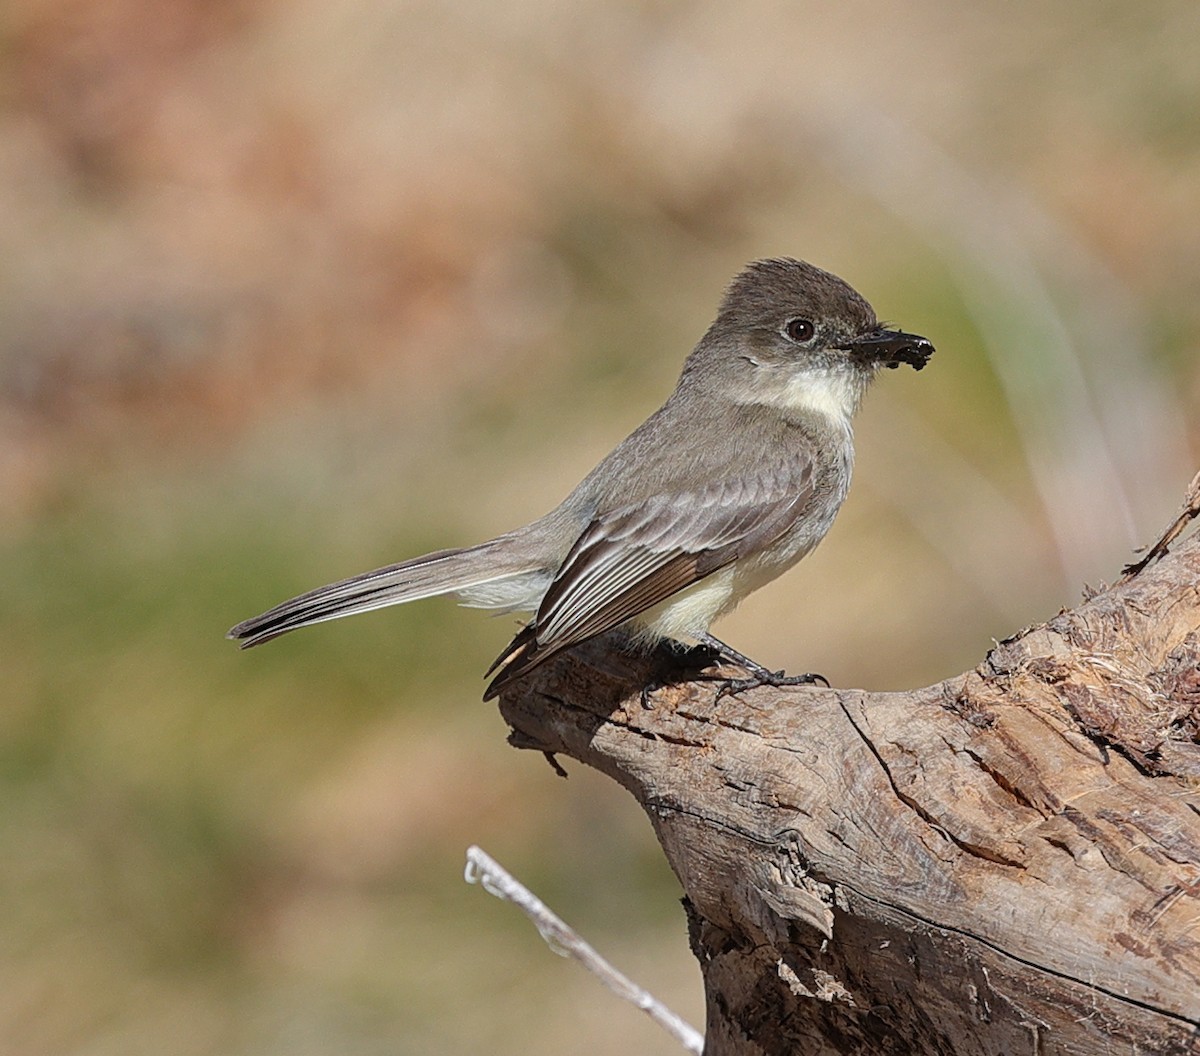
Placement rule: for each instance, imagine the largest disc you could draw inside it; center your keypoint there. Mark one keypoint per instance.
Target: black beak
(890, 348)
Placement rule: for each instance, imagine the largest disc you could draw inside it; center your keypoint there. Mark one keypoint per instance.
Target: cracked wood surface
(1007, 862)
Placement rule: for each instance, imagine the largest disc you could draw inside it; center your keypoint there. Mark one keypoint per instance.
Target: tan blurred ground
(292, 290)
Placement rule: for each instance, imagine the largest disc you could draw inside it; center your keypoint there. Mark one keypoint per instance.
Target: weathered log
(1007, 862)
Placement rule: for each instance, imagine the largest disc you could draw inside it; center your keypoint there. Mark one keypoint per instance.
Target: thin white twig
(484, 870)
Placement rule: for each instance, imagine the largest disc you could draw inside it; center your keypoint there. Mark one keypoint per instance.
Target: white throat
(833, 394)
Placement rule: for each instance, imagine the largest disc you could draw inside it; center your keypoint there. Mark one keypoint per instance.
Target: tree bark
(1007, 862)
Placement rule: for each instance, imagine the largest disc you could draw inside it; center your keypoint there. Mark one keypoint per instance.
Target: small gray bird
(728, 484)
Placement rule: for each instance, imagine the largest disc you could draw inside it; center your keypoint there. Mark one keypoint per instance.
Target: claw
(732, 686)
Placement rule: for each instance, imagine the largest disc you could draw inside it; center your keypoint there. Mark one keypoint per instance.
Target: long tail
(489, 575)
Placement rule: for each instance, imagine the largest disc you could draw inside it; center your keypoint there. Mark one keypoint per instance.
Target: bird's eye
(799, 330)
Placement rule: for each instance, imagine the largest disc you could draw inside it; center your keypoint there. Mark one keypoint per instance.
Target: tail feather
(442, 572)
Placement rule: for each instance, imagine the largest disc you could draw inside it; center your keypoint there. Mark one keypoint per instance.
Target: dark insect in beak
(890, 348)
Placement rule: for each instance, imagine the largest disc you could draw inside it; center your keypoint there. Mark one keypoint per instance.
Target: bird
(735, 478)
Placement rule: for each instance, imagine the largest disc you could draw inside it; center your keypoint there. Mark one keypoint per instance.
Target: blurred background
(292, 290)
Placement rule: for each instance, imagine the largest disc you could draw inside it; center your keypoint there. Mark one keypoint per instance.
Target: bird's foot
(777, 679)
(759, 675)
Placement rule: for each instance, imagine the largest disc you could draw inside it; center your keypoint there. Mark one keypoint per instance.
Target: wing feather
(632, 558)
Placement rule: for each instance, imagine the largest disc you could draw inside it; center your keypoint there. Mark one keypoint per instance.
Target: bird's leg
(759, 675)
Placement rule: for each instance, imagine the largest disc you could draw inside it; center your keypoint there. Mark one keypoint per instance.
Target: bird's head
(791, 334)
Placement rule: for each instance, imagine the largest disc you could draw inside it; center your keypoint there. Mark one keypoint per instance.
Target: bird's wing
(635, 556)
